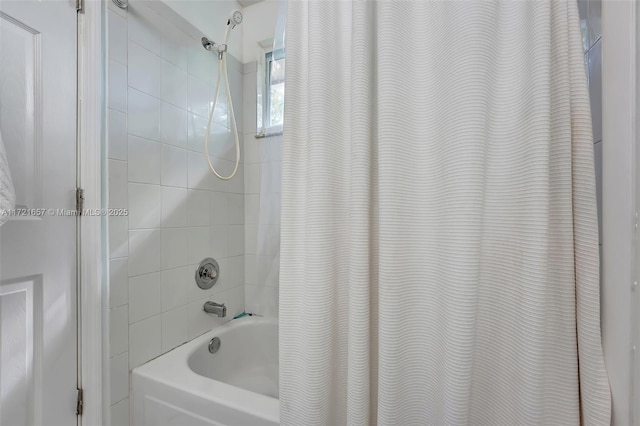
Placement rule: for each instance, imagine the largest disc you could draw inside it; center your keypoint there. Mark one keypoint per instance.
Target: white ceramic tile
(144, 251)
(118, 330)
(174, 328)
(250, 103)
(174, 207)
(250, 271)
(224, 168)
(119, 377)
(117, 86)
(144, 115)
(198, 96)
(197, 128)
(118, 236)
(274, 146)
(120, 413)
(118, 282)
(144, 160)
(251, 208)
(144, 296)
(236, 240)
(236, 185)
(199, 175)
(173, 125)
(174, 247)
(174, 287)
(174, 85)
(233, 299)
(174, 166)
(235, 81)
(199, 321)
(235, 270)
(236, 209)
(198, 242)
(117, 184)
(145, 28)
(117, 31)
(251, 238)
(222, 143)
(174, 47)
(117, 135)
(251, 149)
(219, 208)
(144, 70)
(595, 89)
(221, 115)
(198, 208)
(201, 63)
(144, 206)
(252, 178)
(219, 241)
(597, 154)
(145, 341)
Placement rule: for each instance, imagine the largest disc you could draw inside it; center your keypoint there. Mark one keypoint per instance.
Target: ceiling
(245, 3)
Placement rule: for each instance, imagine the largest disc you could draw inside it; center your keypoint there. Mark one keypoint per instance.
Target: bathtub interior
(247, 357)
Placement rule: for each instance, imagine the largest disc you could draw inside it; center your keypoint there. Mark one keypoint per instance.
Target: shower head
(235, 18)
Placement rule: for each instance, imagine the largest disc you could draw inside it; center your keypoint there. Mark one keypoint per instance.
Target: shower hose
(222, 69)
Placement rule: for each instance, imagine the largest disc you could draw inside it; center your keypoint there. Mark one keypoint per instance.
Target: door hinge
(79, 200)
(80, 6)
(80, 403)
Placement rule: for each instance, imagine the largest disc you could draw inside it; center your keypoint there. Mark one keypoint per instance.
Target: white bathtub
(189, 386)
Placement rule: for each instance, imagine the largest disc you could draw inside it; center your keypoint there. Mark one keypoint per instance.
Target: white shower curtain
(439, 239)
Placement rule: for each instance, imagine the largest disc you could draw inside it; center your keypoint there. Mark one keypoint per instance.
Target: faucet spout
(218, 309)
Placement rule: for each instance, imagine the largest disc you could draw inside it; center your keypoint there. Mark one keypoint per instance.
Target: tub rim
(172, 369)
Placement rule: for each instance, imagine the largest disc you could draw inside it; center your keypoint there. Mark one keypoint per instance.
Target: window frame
(265, 128)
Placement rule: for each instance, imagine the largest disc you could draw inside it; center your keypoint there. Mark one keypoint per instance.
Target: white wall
(259, 25)
(210, 18)
(160, 82)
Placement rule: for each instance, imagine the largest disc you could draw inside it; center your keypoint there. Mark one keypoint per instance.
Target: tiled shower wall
(590, 21)
(160, 82)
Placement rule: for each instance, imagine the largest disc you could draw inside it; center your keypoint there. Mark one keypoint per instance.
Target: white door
(38, 355)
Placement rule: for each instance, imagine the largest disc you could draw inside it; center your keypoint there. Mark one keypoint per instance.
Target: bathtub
(189, 386)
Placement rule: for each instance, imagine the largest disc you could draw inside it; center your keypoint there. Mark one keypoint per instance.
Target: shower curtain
(439, 254)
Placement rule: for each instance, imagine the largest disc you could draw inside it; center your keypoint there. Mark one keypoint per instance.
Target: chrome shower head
(235, 18)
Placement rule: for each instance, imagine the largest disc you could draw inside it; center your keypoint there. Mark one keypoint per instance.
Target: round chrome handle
(207, 273)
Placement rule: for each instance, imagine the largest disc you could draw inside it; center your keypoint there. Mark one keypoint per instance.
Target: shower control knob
(207, 273)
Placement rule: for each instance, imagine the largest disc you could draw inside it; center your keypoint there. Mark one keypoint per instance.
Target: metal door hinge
(80, 6)
(79, 200)
(80, 403)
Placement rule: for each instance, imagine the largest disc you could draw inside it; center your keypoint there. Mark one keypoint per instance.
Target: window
(271, 98)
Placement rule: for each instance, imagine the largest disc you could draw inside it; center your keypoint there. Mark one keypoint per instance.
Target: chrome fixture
(214, 345)
(212, 46)
(122, 4)
(206, 43)
(215, 308)
(235, 18)
(207, 273)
